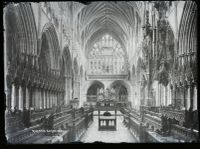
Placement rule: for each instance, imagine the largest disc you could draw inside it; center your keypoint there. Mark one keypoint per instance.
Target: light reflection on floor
(121, 135)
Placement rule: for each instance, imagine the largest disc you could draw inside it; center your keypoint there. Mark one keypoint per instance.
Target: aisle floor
(122, 134)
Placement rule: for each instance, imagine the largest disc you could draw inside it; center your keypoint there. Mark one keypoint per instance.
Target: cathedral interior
(101, 71)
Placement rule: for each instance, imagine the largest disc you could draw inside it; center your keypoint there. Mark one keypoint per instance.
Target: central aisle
(121, 135)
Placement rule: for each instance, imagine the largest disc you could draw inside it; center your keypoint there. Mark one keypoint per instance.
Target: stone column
(27, 98)
(159, 95)
(42, 99)
(13, 97)
(44, 95)
(66, 90)
(183, 96)
(169, 95)
(195, 98)
(24, 96)
(31, 97)
(53, 99)
(37, 101)
(50, 96)
(20, 98)
(17, 96)
(74, 87)
(172, 95)
(56, 98)
(60, 98)
(70, 90)
(176, 95)
(47, 99)
(55, 95)
(49, 93)
(9, 96)
(188, 98)
(35, 98)
(166, 96)
(191, 95)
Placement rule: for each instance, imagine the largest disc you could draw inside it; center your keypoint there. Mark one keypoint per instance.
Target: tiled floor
(121, 135)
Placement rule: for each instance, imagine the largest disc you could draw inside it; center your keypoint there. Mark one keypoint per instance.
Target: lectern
(107, 115)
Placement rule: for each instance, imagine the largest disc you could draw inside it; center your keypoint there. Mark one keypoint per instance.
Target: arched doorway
(92, 92)
(122, 92)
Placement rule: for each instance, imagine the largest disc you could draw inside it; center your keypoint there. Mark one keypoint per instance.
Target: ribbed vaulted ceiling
(119, 19)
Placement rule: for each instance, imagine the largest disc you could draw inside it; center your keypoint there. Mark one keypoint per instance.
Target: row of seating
(65, 120)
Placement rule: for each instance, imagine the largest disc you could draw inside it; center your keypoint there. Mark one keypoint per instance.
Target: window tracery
(107, 57)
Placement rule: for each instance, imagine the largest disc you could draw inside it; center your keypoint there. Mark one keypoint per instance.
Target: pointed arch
(52, 39)
(21, 32)
(122, 89)
(92, 90)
